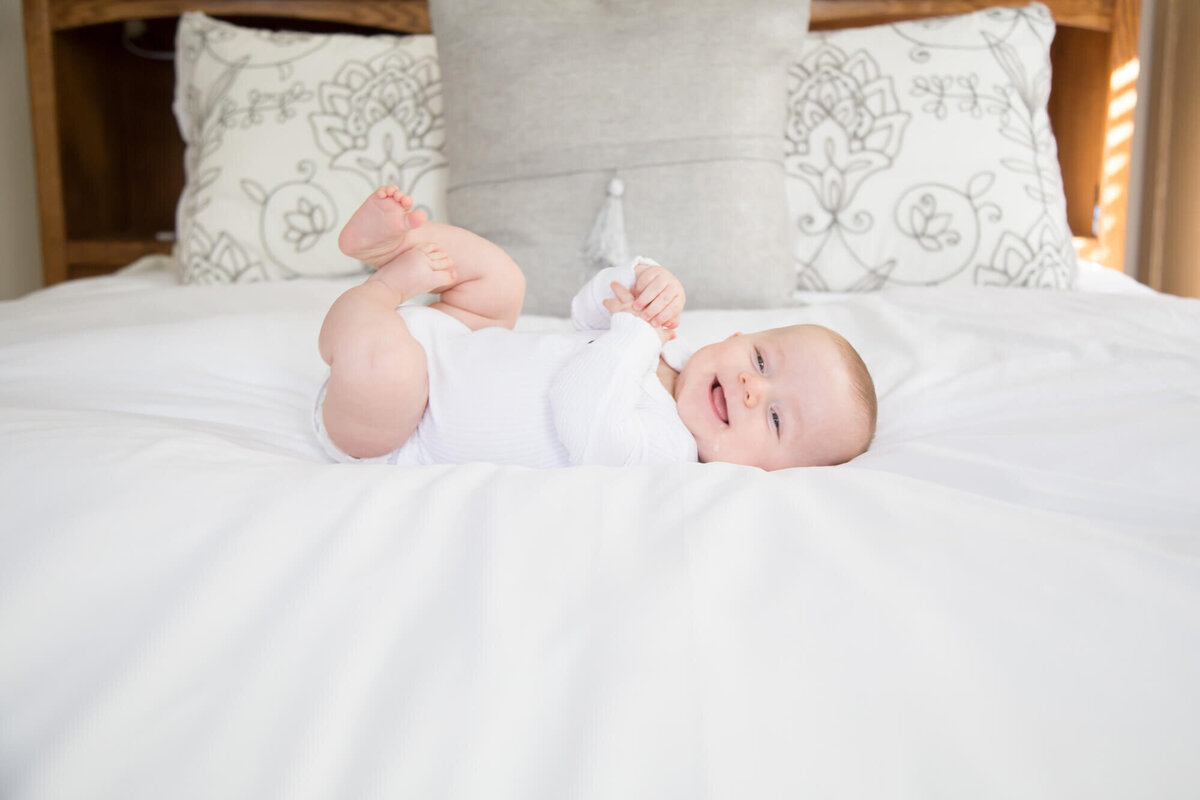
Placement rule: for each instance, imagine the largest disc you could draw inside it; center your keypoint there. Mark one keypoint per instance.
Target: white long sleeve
(587, 307)
(605, 406)
(589, 314)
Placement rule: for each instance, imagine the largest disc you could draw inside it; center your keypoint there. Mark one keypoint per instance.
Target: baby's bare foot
(375, 233)
(419, 269)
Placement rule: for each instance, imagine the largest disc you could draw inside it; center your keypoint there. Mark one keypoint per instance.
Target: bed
(1001, 598)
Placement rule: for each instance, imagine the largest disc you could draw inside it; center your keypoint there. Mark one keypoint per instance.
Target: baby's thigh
(375, 399)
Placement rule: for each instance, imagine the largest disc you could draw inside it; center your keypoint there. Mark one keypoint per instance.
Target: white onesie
(591, 396)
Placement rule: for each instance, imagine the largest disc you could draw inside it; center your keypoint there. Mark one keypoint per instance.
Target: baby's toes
(437, 257)
(415, 219)
(404, 201)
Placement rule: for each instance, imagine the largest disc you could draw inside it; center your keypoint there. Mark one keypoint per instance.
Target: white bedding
(1000, 599)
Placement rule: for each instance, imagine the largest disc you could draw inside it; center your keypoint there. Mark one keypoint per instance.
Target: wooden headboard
(110, 161)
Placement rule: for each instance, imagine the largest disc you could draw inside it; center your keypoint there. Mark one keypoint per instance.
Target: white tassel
(605, 245)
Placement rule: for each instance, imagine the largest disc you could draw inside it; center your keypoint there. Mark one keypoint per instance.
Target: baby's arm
(596, 399)
(658, 295)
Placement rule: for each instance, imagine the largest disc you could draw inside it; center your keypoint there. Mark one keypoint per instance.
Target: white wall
(20, 248)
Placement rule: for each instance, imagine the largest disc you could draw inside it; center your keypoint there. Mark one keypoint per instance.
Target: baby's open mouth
(716, 394)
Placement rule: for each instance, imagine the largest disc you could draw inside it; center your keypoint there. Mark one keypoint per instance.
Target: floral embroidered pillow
(920, 153)
(286, 133)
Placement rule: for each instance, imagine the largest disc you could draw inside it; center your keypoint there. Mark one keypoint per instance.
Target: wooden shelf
(92, 256)
(109, 157)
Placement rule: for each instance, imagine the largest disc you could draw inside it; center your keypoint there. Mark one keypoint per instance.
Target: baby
(452, 382)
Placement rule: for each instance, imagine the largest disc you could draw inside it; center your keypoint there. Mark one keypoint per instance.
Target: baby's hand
(624, 302)
(659, 295)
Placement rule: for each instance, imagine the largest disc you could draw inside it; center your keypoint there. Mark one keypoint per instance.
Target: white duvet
(1000, 599)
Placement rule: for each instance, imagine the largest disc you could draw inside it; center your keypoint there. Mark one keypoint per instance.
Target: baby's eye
(775, 420)
(762, 365)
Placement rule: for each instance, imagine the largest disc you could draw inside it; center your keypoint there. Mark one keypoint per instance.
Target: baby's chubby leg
(483, 288)
(378, 384)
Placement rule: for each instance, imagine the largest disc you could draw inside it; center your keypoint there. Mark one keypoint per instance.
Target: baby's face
(773, 399)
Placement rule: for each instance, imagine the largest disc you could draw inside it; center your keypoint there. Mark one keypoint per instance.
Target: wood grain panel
(406, 16)
(39, 52)
(413, 15)
(1123, 70)
(93, 152)
(1170, 237)
(1078, 107)
(1092, 14)
(111, 253)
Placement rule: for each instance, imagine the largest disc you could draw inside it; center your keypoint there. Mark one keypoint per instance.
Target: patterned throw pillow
(286, 133)
(921, 153)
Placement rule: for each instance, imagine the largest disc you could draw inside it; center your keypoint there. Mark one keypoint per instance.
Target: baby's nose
(751, 386)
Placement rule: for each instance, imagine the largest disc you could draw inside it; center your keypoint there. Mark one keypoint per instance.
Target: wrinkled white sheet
(1001, 599)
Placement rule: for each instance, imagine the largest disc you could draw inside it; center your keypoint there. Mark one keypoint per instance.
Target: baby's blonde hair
(864, 390)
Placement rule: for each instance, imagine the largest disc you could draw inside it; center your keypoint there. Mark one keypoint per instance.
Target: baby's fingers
(621, 301)
(664, 307)
(649, 286)
(669, 316)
